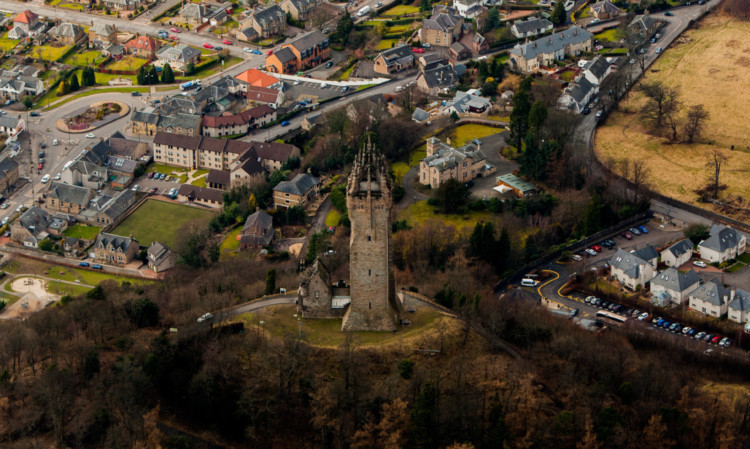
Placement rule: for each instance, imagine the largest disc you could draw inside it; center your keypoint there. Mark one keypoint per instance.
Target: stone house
(143, 47)
(272, 155)
(178, 57)
(67, 33)
(102, 34)
(438, 79)
(459, 51)
(8, 174)
(115, 249)
(299, 9)
(122, 5)
(69, 199)
(233, 124)
(199, 152)
(26, 24)
(531, 27)
(674, 286)
(85, 174)
(444, 162)
(297, 192)
(258, 231)
(604, 10)
(160, 257)
(200, 195)
(31, 227)
(739, 306)
(442, 29)
(531, 56)
(678, 254)
(317, 297)
(149, 121)
(266, 22)
(394, 60)
(723, 244)
(596, 70)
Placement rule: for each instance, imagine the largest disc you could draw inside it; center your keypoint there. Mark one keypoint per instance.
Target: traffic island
(93, 116)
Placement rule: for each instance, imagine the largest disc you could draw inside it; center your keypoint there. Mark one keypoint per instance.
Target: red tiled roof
(26, 17)
(255, 77)
(262, 94)
(237, 119)
(142, 43)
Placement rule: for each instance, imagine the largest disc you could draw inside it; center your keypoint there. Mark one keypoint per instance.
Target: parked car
(658, 50)
(418, 50)
(226, 42)
(686, 329)
(151, 175)
(175, 30)
(576, 257)
(626, 235)
(573, 313)
(58, 176)
(154, 191)
(605, 304)
(589, 299)
(635, 313)
(5, 206)
(34, 114)
(40, 166)
(590, 252)
(5, 221)
(218, 48)
(45, 179)
(285, 123)
(700, 335)
(135, 94)
(716, 339)
(586, 111)
(600, 113)
(135, 188)
(247, 50)
(699, 263)
(643, 229)
(643, 316)
(596, 248)
(691, 333)
(96, 266)
(708, 338)
(257, 52)
(83, 264)
(162, 176)
(90, 136)
(668, 13)
(727, 342)
(270, 52)
(634, 231)
(207, 45)
(55, 142)
(329, 64)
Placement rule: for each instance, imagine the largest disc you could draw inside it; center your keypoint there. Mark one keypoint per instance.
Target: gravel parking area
(491, 146)
(311, 90)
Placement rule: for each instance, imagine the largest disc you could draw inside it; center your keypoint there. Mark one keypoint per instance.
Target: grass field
(347, 73)
(22, 266)
(8, 44)
(73, 6)
(420, 212)
(400, 10)
(159, 221)
(129, 62)
(399, 169)
(50, 96)
(231, 243)
(49, 53)
(280, 321)
(166, 169)
(465, 133)
(333, 217)
(200, 182)
(84, 59)
(609, 35)
(711, 69)
(385, 44)
(82, 232)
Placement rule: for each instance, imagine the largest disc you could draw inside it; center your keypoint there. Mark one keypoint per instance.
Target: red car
(173, 37)
(154, 190)
(151, 175)
(207, 45)
(270, 52)
(40, 166)
(227, 42)
(716, 339)
(627, 235)
(175, 30)
(596, 248)
(418, 50)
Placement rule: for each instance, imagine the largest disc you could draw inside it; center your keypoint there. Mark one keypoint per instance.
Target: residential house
(149, 121)
(115, 249)
(305, 52)
(219, 179)
(431, 60)
(512, 183)
(272, 155)
(200, 152)
(229, 124)
(604, 10)
(299, 9)
(143, 46)
(258, 231)
(531, 27)
(11, 125)
(105, 210)
(444, 162)
(160, 257)
(723, 244)
(246, 170)
(420, 115)
(711, 299)
(200, 195)
(26, 24)
(531, 56)
(8, 174)
(739, 306)
(266, 22)
(577, 96)
(69, 199)
(263, 95)
(194, 13)
(672, 286)
(466, 103)
(459, 51)
(479, 44)
(394, 60)
(297, 192)
(678, 254)
(102, 34)
(244, 33)
(127, 148)
(438, 79)
(115, 51)
(122, 5)
(16, 86)
(649, 254)
(469, 8)
(85, 174)
(630, 270)
(179, 57)
(442, 29)
(31, 227)
(258, 78)
(122, 171)
(67, 33)
(596, 70)
(642, 27)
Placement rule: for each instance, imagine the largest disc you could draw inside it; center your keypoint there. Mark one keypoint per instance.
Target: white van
(526, 282)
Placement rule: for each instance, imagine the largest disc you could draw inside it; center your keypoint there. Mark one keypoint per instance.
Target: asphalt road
(257, 305)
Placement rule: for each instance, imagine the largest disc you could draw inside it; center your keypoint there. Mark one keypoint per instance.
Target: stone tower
(369, 200)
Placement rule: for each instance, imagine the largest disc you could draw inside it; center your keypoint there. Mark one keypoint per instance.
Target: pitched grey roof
(105, 239)
(741, 300)
(306, 44)
(218, 177)
(187, 121)
(420, 115)
(605, 6)
(712, 292)
(102, 29)
(447, 157)
(672, 279)
(441, 76)
(681, 247)
(598, 67)
(157, 253)
(458, 48)
(70, 194)
(647, 253)
(643, 23)
(269, 15)
(300, 185)
(395, 54)
(722, 238)
(535, 25)
(193, 11)
(285, 55)
(118, 205)
(146, 115)
(257, 223)
(303, 5)
(554, 43)
(7, 164)
(274, 151)
(441, 22)
(181, 53)
(580, 90)
(66, 29)
(627, 262)
(36, 218)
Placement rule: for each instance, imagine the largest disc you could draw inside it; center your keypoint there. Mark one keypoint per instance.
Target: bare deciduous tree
(663, 101)
(640, 177)
(716, 161)
(695, 122)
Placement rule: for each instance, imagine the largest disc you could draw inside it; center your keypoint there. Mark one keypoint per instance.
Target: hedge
(72, 50)
(171, 12)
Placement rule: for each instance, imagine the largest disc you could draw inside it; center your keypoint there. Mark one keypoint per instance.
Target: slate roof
(35, 217)
(119, 204)
(193, 11)
(303, 5)
(441, 22)
(741, 301)
(181, 53)
(420, 115)
(712, 292)
(447, 157)
(458, 48)
(598, 67)
(66, 29)
(274, 151)
(102, 29)
(300, 185)
(194, 193)
(157, 253)
(580, 90)
(647, 253)
(305, 44)
(441, 76)
(554, 43)
(218, 177)
(285, 55)
(396, 54)
(123, 147)
(105, 239)
(145, 115)
(605, 7)
(269, 15)
(627, 262)
(8, 121)
(122, 165)
(681, 247)
(250, 164)
(463, 101)
(721, 239)
(671, 279)
(643, 23)
(535, 25)
(257, 223)
(70, 194)
(7, 164)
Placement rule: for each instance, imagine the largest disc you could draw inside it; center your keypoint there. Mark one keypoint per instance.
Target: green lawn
(398, 29)
(385, 44)
(231, 243)
(333, 217)
(49, 53)
(465, 133)
(609, 35)
(420, 212)
(8, 44)
(73, 6)
(744, 258)
(399, 169)
(84, 59)
(159, 221)
(200, 182)
(129, 62)
(347, 73)
(736, 267)
(401, 10)
(166, 169)
(104, 78)
(82, 232)
(52, 97)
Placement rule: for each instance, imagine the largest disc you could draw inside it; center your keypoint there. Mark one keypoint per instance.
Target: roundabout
(91, 117)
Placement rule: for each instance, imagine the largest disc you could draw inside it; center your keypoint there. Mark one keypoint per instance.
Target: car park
(634, 231)
(590, 252)
(627, 236)
(699, 263)
(716, 339)
(642, 229)
(643, 316)
(708, 338)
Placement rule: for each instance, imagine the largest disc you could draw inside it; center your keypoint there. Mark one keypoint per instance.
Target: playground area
(35, 298)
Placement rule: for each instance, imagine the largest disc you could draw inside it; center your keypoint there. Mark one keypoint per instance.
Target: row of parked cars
(638, 230)
(677, 328)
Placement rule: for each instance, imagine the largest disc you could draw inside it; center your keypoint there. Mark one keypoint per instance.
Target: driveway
(491, 146)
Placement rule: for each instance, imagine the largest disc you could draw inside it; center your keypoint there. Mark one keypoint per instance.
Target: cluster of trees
(664, 109)
(149, 75)
(88, 77)
(737, 8)
(68, 85)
